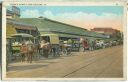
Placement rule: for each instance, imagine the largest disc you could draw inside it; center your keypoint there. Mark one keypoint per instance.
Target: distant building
(109, 31)
(13, 12)
(14, 27)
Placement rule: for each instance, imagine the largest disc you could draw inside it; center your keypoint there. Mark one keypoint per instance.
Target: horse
(30, 53)
(46, 49)
(23, 52)
(36, 51)
(27, 52)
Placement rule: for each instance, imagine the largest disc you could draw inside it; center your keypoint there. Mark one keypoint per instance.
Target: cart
(52, 43)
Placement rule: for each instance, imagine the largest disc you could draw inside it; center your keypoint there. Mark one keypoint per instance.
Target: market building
(48, 26)
(42, 25)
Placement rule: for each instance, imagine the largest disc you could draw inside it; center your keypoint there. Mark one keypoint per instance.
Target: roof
(98, 35)
(9, 12)
(22, 35)
(44, 24)
(49, 34)
(60, 34)
(104, 28)
(48, 25)
(24, 25)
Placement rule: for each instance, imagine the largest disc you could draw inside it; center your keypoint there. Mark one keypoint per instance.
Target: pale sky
(83, 16)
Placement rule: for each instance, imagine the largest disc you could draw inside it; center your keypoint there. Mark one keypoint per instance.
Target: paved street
(103, 63)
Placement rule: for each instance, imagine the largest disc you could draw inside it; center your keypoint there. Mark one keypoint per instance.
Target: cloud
(81, 19)
(87, 20)
(30, 14)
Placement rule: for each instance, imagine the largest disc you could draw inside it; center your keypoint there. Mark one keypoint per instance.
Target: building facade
(109, 31)
(14, 27)
(13, 12)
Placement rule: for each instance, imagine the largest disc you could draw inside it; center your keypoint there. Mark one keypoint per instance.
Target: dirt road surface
(103, 63)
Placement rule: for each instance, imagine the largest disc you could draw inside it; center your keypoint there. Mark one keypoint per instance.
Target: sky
(86, 17)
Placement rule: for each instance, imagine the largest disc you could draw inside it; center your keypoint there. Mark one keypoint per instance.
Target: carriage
(15, 42)
(51, 45)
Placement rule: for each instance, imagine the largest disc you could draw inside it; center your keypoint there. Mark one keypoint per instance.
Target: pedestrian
(92, 44)
(69, 43)
(85, 44)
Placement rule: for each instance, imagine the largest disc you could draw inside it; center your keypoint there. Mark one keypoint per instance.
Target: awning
(68, 36)
(61, 35)
(22, 35)
(10, 31)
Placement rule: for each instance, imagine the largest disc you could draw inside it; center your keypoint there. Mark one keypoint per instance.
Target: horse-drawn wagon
(49, 44)
(16, 41)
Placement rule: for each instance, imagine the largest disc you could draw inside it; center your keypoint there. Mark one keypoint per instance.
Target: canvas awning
(10, 31)
(22, 35)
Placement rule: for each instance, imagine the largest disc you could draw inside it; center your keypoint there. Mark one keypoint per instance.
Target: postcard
(64, 40)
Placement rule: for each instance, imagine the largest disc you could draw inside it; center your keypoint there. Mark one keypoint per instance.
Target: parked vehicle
(100, 44)
(16, 41)
(76, 45)
(50, 46)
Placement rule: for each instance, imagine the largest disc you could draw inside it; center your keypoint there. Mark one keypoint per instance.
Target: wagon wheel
(59, 52)
(69, 52)
(64, 52)
(52, 53)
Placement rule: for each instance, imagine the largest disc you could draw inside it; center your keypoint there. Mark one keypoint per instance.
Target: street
(102, 63)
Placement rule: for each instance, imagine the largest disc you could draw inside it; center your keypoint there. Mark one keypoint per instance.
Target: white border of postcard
(113, 3)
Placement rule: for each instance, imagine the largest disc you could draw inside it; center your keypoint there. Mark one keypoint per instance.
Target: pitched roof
(21, 24)
(44, 24)
(47, 25)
